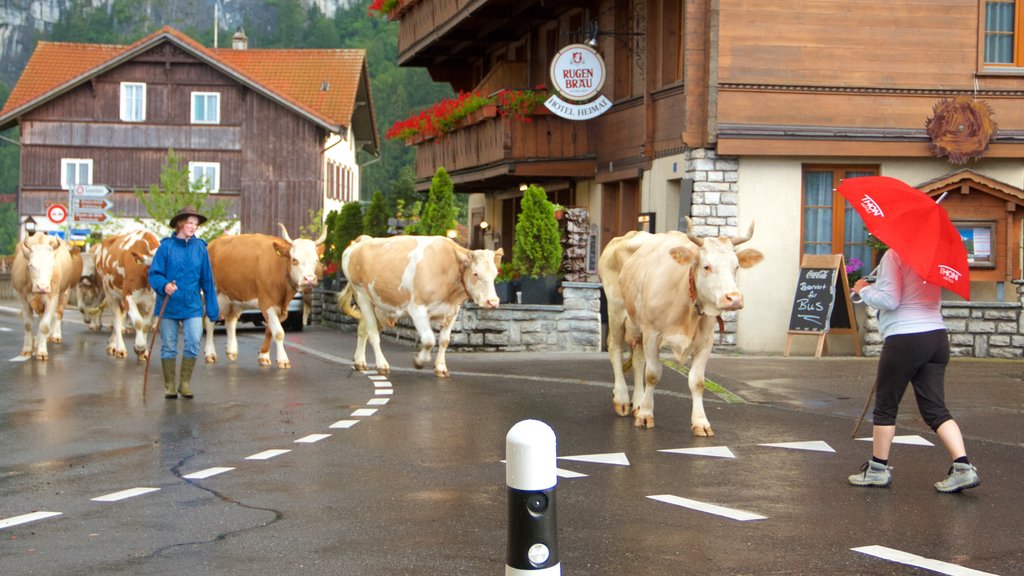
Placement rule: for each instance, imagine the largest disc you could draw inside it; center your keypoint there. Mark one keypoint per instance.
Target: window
(133, 101)
(75, 171)
(830, 224)
(979, 238)
(205, 174)
(206, 108)
(1002, 20)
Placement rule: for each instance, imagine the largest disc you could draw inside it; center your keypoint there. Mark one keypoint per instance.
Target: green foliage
(8, 227)
(348, 226)
(331, 253)
(176, 191)
(439, 212)
(537, 250)
(375, 221)
(315, 226)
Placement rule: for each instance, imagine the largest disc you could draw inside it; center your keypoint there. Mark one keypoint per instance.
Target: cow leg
(45, 324)
(643, 414)
(369, 330)
(141, 328)
(616, 338)
(275, 330)
(210, 350)
(445, 338)
(699, 424)
(231, 328)
(27, 322)
(115, 346)
(58, 317)
(421, 320)
(359, 358)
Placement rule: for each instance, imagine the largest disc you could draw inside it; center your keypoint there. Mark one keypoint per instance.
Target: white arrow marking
(814, 445)
(123, 494)
(568, 473)
(615, 458)
(901, 557)
(207, 473)
(716, 451)
(741, 515)
(26, 518)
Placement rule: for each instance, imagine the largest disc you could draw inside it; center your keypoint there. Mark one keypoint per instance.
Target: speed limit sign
(57, 213)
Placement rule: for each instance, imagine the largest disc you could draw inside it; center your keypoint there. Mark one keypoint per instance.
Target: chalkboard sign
(822, 302)
(814, 300)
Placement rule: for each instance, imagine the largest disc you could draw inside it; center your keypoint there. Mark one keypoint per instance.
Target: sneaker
(961, 477)
(873, 474)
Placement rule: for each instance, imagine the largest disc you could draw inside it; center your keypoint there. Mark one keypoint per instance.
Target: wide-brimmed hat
(185, 213)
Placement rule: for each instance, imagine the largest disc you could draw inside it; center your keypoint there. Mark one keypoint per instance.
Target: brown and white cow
(668, 290)
(260, 271)
(424, 277)
(89, 295)
(122, 263)
(42, 275)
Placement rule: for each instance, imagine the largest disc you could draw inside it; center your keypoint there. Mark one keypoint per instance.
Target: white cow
(42, 275)
(668, 290)
(424, 277)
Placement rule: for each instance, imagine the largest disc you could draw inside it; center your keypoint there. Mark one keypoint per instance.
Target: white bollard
(532, 547)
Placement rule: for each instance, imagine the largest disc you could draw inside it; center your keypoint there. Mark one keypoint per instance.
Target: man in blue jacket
(180, 269)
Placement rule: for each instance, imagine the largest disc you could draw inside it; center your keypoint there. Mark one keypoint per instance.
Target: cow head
(304, 256)
(89, 268)
(479, 269)
(40, 251)
(713, 267)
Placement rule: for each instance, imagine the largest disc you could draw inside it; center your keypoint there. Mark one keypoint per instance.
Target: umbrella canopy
(914, 225)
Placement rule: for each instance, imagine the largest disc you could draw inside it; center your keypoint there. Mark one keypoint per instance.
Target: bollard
(532, 547)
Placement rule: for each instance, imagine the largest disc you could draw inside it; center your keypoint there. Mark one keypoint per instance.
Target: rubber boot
(185, 385)
(168, 365)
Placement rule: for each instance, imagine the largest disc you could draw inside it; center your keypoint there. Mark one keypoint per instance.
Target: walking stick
(865, 411)
(149, 352)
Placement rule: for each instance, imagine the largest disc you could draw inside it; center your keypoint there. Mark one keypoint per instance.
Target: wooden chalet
(274, 132)
(738, 111)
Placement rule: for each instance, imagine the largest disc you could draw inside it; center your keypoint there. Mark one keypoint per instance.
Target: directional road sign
(90, 217)
(87, 203)
(91, 190)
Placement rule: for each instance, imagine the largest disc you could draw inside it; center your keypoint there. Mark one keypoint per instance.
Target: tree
(349, 225)
(175, 191)
(375, 221)
(438, 215)
(537, 250)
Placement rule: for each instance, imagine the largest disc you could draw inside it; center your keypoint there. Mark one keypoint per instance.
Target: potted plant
(537, 249)
(506, 284)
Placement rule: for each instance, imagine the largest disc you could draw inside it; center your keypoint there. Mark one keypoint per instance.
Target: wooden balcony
(499, 151)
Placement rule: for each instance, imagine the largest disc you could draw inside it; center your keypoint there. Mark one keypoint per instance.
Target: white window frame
(210, 97)
(203, 168)
(78, 163)
(130, 110)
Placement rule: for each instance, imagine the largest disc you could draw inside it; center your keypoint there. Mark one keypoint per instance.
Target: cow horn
(323, 236)
(737, 240)
(689, 233)
(284, 233)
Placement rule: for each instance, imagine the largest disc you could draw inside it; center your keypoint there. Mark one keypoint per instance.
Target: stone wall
(574, 326)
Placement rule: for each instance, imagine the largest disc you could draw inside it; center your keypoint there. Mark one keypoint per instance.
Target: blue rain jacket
(188, 264)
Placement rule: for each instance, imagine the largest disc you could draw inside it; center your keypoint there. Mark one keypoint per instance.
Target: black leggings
(919, 359)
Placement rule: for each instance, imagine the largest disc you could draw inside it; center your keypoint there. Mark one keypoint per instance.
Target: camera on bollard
(532, 546)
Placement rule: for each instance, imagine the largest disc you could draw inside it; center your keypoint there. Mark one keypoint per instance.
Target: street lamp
(30, 225)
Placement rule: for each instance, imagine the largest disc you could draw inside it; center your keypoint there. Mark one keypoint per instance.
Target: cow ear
(749, 257)
(139, 257)
(683, 255)
(320, 248)
(497, 256)
(282, 249)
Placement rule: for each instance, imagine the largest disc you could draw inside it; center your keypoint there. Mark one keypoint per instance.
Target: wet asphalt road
(417, 487)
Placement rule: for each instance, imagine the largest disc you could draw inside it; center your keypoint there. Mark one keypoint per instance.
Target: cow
(424, 277)
(89, 295)
(265, 272)
(668, 290)
(42, 275)
(122, 264)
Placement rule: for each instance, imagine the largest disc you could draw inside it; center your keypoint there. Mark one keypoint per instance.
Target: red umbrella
(914, 225)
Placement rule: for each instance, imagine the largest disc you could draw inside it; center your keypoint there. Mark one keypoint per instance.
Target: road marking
(377, 378)
(813, 445)
(344, 424)
(312, 438)
(26, 518)
(364, 412)
(384, 391)
(716, 451)
(267, 454)
(382, 384)
(741, 515)
(5, 329)
(901, 557)
(377, 401)
(124, 494)
(20, 358)
(568, 473)
(616, 458)
(911, 439)
(207, 473)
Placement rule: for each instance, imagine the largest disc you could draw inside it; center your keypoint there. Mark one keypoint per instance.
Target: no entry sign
(57, 213)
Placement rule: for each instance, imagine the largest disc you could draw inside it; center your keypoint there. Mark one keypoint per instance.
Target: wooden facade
(270, 152)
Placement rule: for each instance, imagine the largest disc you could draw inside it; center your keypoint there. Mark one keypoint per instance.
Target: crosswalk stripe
(741, 515)
(909, 559)
(26, 518)
(124, 494)
(201, 474)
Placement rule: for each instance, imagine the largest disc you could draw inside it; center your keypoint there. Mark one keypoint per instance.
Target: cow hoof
(360, 366)
(121, 353)
(702, 431)
(284, 365)
(642, 422)
(232, 356)
(111, 352)
(384, 370)
(211, 359)
(42, 356)
(623, 409)
(27, 353)
(55, 339)
(263, 361)
(418, 365)
(142, 355)
(441, 373)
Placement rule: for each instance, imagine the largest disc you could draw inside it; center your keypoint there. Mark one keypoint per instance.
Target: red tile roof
(320, 83)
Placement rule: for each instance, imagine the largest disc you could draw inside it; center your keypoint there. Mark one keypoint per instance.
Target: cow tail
(345, 303)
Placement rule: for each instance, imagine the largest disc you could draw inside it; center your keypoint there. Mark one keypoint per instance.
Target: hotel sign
(577, 76)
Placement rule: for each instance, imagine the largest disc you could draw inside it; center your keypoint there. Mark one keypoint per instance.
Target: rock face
(23, 22)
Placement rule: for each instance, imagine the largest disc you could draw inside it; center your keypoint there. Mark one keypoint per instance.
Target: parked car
(291, 324)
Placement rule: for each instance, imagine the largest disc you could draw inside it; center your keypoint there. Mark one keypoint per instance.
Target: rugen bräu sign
(577, 76)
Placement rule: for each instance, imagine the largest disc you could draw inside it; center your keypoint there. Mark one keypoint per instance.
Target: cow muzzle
(41, 288)
(731, 301)
(491, 303)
